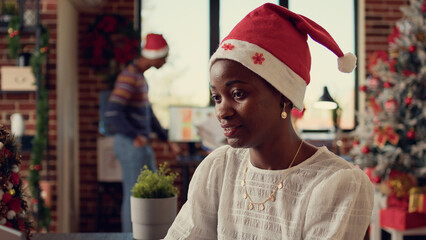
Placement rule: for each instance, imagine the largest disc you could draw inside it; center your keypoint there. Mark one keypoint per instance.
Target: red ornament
(391, 105)
(355, 142)
(411, 134)
(408, 100)
(365, 150)
(363, 88)
(37, 167)
(374, 83)
(387, 85)
(412, 48)
(373, 177)
(424, 8)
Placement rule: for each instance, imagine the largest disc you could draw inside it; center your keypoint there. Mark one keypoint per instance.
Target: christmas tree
(392, 131)
(13, 207)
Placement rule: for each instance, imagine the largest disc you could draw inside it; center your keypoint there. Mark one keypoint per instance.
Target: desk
(82, 236)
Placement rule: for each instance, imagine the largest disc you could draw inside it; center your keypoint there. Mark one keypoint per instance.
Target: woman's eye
(238, 94)
(215, 98)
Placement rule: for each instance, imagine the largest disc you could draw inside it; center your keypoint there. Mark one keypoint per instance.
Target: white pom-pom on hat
(347, 62)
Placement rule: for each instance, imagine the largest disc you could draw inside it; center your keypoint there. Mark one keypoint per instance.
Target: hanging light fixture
(326, 101)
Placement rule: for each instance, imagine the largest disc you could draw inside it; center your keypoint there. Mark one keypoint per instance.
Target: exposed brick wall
(90, 86)
(380, 19)
(381, 16)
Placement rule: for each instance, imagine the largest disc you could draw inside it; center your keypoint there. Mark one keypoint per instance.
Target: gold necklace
(272, 195)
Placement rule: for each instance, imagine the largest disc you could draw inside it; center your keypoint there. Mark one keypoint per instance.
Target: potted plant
(153, 203)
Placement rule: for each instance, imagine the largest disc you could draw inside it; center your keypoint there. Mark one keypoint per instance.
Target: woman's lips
(229, 131)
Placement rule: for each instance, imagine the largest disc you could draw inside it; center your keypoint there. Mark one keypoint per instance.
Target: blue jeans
(132, 160)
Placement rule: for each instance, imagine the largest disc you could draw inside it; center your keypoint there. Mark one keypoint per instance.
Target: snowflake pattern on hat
(258, 58)
(228, 46)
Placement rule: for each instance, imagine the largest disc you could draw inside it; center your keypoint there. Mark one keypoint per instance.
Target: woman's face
(247, 107)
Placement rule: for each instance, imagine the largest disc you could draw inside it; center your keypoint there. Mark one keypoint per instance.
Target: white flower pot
(152, 217)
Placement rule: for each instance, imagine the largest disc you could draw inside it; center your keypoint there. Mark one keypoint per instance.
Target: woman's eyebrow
(230, 83)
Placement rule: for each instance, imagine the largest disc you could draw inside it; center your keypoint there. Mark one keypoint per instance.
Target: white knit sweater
(324, 197)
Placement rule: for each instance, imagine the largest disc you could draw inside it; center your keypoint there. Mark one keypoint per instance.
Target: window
(184, 79)
(338, 18)
(191, 34)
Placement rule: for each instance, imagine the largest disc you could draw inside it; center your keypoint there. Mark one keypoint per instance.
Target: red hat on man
(155, 46)
(272, 42)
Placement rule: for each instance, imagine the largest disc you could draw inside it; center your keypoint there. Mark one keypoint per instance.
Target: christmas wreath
(13, 207)
(110, 44)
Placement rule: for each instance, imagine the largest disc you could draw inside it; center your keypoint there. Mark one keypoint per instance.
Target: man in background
(130, 114)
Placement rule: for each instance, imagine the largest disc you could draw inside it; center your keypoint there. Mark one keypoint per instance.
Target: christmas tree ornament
(363, 88)
(412, 48)
(391, 106)
(387, 85)
(408, 100)
(374, 83)
(411, 134)
(365, 150)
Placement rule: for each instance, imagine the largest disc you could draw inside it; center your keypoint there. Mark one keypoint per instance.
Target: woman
(268, 183)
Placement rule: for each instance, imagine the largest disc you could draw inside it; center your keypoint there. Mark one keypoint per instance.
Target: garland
(110, 44)
(14, 39)
(40, 139)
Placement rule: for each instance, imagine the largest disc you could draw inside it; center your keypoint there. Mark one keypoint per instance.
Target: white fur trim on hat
(346, 63)
(274, 71)
(155, 54)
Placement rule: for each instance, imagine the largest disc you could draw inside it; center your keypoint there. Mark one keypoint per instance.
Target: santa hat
(155, 46)
(272, 42)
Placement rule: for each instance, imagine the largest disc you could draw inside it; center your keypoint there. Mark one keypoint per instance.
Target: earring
(283, 113)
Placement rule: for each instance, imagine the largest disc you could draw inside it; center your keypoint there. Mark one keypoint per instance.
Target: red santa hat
(155, 46)
(272, 42)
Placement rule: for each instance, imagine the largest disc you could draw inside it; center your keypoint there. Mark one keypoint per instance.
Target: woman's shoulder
(326, 163)
(224, 154)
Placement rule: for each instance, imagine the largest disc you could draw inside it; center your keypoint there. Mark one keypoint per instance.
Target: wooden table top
(82, 236)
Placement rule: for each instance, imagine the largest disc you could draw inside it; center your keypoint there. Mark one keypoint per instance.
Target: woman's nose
(223, 110)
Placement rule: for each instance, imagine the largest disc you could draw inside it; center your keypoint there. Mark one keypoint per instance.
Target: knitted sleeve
(340, 207)
(115, 113)
(197, 219)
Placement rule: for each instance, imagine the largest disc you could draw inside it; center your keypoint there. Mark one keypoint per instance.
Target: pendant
(250, 206)
(261, 207)
(272, 198)
(245, 196)
(280, 185)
